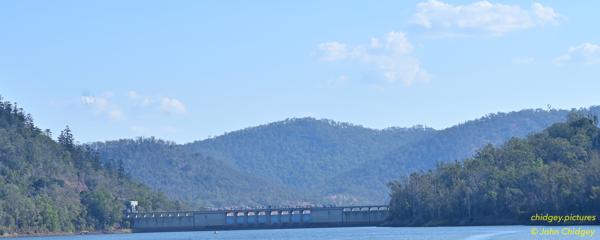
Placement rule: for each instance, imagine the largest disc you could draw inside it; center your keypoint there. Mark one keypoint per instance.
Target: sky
(189, 70)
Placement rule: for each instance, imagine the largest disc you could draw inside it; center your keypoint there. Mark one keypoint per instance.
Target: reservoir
(349, 233)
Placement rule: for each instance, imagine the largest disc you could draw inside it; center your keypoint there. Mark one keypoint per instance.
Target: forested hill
(350, 164)
(446, 145)
(50, 186)
(307, 160)
(305, 152)
(555, 172)
(273, 164)
(200, 180)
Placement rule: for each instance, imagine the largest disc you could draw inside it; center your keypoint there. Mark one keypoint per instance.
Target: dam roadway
(259, 218)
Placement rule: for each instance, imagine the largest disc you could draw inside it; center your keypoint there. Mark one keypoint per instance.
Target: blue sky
(186, 70)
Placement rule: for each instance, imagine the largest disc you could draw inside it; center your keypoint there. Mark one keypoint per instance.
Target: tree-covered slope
(458, 142)
(49, 186)
(305, 152)
(556, 172)
(308, 160)
(200, 180)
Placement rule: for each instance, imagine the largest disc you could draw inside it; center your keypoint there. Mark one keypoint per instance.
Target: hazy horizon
(336, 121)
(188, 70)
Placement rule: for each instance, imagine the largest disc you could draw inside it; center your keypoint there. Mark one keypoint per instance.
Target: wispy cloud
(115, 114)
(139, 99)
(587, 53)
(168, 105)
(482, 18)
(101, 105)
(113, 106)
(391, 56)
(172, 106)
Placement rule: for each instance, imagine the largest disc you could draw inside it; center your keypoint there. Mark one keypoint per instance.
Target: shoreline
(129, 231)
(485, 225)
(58, 234)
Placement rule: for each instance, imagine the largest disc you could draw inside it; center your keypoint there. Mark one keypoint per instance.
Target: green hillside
(50, 186)
(303, 153)
(306, 160)
(450, 144)
(200, 180)
(554, 172)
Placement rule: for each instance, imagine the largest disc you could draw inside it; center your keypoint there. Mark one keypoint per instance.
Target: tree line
(553, 172)
(49, 185)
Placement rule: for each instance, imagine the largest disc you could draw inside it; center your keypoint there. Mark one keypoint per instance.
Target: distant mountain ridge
(306, 160)
(450, 144)
(323, 147)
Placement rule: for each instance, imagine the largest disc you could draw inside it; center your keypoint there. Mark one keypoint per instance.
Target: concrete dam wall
(296, 217)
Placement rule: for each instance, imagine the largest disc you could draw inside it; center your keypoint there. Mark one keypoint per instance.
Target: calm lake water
(425, 233)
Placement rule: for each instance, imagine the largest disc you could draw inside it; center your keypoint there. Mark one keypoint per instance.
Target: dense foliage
(554, 172)
(446, 145)
(307, 160)
(48, 186)
(200, 180)
(311, 150)
(282, 163)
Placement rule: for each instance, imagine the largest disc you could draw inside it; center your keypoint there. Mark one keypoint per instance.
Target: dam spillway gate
(259, 218)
